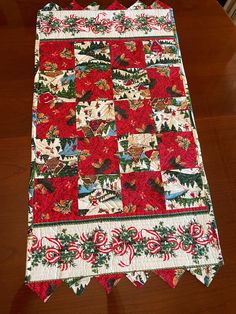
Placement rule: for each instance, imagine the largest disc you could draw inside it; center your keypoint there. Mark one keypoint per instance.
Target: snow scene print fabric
(117, 185)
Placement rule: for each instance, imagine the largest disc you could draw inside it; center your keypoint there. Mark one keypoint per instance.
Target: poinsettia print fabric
(117, 184)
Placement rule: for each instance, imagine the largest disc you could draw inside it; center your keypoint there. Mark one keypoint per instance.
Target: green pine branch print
(188, 179)
(97, 247)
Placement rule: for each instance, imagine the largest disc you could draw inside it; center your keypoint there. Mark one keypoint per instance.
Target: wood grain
(208, 44)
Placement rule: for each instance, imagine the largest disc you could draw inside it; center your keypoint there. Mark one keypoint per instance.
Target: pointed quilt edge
(115, 5)
(44, 289)
(205, 274)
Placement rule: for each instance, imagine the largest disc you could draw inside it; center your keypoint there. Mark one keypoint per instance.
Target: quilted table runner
(117, 185)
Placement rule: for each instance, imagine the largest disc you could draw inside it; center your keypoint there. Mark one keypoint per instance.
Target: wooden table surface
(208, 43)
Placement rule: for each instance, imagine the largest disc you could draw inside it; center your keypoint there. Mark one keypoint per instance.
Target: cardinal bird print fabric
(117, 186)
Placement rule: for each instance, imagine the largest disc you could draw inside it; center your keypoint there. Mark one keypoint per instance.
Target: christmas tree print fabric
(117, 185)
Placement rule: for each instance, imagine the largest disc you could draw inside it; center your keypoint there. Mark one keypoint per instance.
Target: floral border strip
(102, 248)
(119, 23)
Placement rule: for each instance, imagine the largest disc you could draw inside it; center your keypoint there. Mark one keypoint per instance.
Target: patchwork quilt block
(100, 194)
(117, 185)
(131, 83)
(96, 118)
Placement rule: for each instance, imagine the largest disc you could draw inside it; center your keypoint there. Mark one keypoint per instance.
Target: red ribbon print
(196, 232)
(53, 254)
(124, 242)
(99, 240)
(120, 248)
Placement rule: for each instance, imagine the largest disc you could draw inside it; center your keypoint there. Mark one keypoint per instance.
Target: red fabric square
(134, 116)
(55, 199)
(93, 84)
(177, 150)
(56, 119)
(56, 55)
(44, 289)
(109, 281)
(171, 276)
(115, 5)
(143, 193)
(74, 6)
(98, 155)
(165, 82)
(127, 54)
(158, 5)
